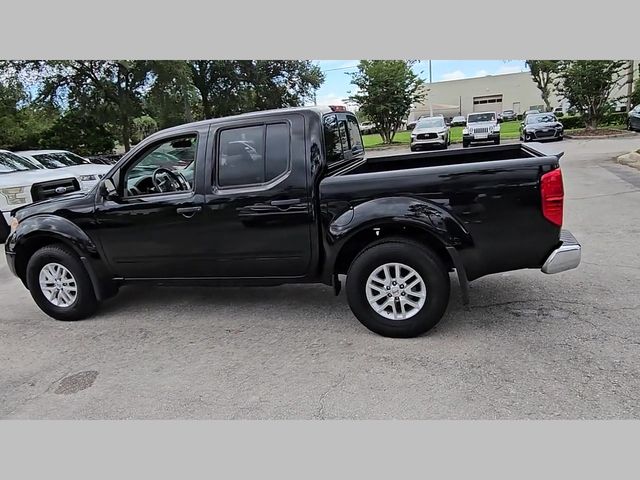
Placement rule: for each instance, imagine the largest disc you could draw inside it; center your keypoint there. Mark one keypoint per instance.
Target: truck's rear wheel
(398, 288)
(60, 284)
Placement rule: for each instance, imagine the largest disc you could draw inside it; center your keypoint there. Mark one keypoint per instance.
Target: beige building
(492, 93)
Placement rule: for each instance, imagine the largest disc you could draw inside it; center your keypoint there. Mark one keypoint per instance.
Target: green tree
(542, 72)
(386, 91)
(588, 84)
(635, 96)
(228, 87)
(21, 120)
(112, 89)
(143, 127)
(172, 99)
(80, 132)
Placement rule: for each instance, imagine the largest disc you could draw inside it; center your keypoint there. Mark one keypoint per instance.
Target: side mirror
(109, 189)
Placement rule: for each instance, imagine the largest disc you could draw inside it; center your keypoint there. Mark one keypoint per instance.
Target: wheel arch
(37, 232)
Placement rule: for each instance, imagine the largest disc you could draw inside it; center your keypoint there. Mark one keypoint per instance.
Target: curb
(599, 137)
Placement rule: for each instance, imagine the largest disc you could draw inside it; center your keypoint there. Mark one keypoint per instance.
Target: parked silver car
(430, 131)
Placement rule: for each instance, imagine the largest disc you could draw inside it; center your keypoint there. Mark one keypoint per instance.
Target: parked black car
(633, 121)
(541, 126)
(306, 207)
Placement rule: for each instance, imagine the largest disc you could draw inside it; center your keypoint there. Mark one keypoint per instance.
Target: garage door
(487, 103)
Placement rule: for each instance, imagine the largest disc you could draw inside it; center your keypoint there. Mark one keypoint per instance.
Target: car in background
(430, 131)
(22, 182)
(458, 121)
(633, 121)
(509, 115)
(367, 128)
(541, 126)
(481, 127)
(71, 164)
(558, 112)
(530, 112)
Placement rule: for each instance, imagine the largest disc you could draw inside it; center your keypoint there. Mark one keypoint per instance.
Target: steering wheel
(165, 180)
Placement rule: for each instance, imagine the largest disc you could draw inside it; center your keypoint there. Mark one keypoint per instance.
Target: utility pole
(430, 102)
(630, 85)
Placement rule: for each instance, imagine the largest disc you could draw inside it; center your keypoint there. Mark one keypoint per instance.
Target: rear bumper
(565, 257)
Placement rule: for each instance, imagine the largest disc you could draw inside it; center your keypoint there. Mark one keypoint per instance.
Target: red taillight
(552, 192)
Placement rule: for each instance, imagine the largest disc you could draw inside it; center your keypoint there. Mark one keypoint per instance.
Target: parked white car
(481, 127)
(430, 131)
(87, 173)
(22, 183)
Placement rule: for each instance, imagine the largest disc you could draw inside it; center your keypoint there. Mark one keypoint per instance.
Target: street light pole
(430, 102)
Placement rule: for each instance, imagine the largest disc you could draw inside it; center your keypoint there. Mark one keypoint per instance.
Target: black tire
(465, 144)
(414, 149)
(415, 255)
(85, 303)
(496, 141)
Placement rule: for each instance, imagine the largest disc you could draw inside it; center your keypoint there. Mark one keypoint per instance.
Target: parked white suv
(481, 127)
(22, 183)
(86, 172)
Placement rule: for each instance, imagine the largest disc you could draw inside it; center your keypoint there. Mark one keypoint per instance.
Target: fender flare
(411, 212)
(41, 228)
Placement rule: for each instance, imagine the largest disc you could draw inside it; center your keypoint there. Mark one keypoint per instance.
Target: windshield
(481, 117)
(541, 118)
(433, 122)
(60, 159)
(10, 162)
(508, 112)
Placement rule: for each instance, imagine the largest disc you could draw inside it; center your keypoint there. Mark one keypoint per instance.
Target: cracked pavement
(528, 346)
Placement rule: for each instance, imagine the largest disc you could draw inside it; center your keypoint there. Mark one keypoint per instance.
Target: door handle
(284, 203)
(188, 211)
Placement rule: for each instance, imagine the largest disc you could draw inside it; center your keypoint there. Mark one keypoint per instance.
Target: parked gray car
(633, 122)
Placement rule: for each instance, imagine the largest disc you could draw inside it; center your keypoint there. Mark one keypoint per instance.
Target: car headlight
(88, 178)
(414, 135)
(465, 131)
(496, 128)
(15, 195)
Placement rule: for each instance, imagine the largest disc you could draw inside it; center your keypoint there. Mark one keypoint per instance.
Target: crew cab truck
(288, 196)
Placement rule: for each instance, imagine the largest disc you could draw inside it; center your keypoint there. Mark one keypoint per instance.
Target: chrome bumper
(565, 257)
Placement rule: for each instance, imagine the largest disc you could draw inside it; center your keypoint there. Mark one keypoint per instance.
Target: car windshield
(432, 122)
(60, 159)
(10, 162)
(481, 117)
(541, 118)
(508, 112)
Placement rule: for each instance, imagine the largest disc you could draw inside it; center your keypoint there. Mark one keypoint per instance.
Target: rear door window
(253, 155)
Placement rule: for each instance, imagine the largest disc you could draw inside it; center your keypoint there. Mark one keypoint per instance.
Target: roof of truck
(320, 109)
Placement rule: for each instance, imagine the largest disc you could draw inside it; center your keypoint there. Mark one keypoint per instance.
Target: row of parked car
(30, 176)
(482, 127)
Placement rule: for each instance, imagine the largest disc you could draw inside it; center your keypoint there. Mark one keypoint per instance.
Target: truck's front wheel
(60, 284)
(398, 288)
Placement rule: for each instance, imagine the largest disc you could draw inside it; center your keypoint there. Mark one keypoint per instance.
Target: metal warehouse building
(495, 93)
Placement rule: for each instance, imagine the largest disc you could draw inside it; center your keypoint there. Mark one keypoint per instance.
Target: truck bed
(492, 193)
(445, 157)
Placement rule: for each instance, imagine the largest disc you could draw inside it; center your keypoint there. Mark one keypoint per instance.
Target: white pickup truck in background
(69, 163)
(22, 183)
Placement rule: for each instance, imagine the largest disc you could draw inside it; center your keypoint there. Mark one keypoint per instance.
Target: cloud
(456, 75)
(481, 73)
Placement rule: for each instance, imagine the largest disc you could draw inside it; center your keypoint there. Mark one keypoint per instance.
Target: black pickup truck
(288, 196)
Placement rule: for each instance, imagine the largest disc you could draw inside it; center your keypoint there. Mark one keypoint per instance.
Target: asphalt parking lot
(529, 345)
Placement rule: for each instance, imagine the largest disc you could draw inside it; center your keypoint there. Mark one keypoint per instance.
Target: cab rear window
(341, 137)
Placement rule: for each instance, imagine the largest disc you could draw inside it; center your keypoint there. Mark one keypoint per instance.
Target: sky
(337, 81)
